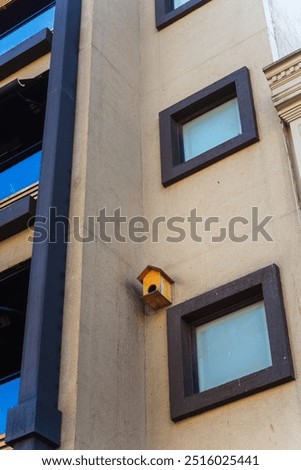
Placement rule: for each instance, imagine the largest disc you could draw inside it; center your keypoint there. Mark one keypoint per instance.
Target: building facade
(168, 136)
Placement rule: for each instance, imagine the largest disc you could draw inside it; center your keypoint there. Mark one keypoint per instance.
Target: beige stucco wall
(102, 392)
(114, 379)
(194, 52)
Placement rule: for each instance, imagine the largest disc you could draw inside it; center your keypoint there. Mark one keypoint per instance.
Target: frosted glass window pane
(233, 346)
(211, 129)
(28, 29)
(20, 175)
(178, 3)
(9, 392)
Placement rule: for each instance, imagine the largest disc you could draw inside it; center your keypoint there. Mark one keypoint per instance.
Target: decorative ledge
(31, 190)
(25, 53)
(14, 218)
(284, 78)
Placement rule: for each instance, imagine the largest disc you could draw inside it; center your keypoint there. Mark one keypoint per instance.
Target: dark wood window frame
(173, 166)
(166, 14)
(182, 320)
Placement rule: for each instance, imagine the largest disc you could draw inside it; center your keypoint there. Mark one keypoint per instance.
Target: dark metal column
(36, 422)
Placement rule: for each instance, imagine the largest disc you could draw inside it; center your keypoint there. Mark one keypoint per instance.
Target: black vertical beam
(36, 422)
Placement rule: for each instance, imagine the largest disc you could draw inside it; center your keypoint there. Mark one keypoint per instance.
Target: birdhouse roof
(153, 268)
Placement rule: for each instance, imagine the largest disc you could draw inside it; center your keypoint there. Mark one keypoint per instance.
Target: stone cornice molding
(284, 78)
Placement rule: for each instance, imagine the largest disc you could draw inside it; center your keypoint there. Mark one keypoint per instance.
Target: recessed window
(9, 391)
(21, 175)
(227, 344)
(168, 11)
(211, 129)
(23, 104)
(21, 19)
(207, 126)
(232, 346)
(13, 301)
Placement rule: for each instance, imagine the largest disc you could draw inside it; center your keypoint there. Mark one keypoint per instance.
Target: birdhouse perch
(156, 287)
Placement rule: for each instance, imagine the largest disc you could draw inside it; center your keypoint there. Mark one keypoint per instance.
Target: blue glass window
(233, 346)
(9, 392)
(13, 301)
(27, 28)
(211, 129)
(20, 175)
(178, 3)
(21, 133)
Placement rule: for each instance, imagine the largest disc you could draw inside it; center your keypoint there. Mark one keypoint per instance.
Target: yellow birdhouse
(156, 287)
